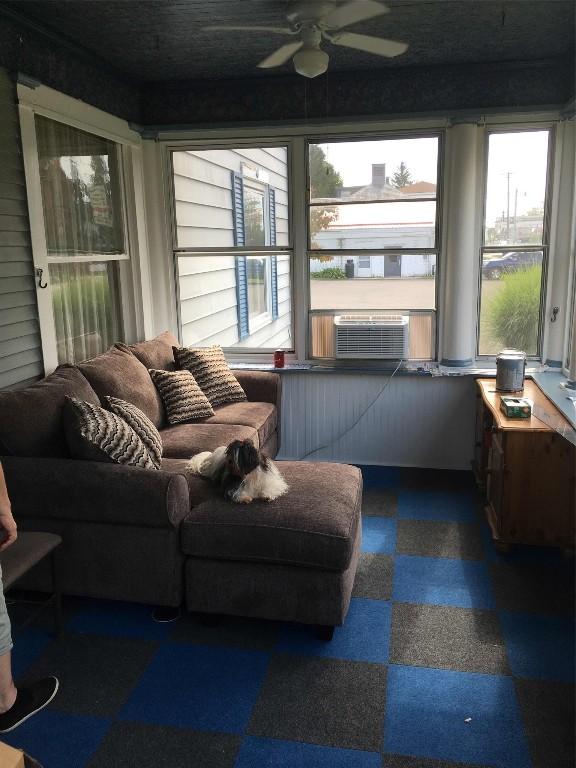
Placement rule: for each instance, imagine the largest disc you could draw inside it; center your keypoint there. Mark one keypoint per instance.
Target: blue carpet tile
(452, 656)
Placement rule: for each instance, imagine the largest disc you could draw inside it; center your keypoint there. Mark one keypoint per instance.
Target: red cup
(279, 358)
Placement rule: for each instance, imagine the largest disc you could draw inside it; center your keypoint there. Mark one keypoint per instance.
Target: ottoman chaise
(293, 559)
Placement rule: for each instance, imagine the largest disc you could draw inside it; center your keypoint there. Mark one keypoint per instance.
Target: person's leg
(7, 687)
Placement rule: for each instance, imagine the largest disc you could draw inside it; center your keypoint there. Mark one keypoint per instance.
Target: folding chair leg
(56, 596)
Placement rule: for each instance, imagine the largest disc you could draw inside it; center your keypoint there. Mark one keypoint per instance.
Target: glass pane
(516, 188)
(510, 301)
(377, 281)
(373, 226)
(86, 302)
(221, 197)
(212, 292)
(81, 198)
(372, 336)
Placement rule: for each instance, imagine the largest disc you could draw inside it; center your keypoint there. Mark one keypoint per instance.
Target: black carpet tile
(465, 639)
(403, 761)
(322, 701)
(436, 479)
(152, 746)
(227, 631)
(438, 538)
(378, 502)
(529, 589)
(374, 576)
(549, 716)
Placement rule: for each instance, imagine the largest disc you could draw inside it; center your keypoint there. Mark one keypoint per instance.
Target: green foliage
(330, 273)
(402, 176)
(325, 180)
(514, 311)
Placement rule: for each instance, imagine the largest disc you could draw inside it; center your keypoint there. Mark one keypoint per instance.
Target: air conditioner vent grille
(371, 336)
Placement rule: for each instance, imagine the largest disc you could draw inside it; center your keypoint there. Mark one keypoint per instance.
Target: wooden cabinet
(527, 471)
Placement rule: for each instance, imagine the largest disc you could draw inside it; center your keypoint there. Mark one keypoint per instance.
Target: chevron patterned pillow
(210, 369)
(95, 434)
(182, 397)
(141, 424)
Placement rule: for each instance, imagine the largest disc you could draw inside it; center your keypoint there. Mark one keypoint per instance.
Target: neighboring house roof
(418, 188)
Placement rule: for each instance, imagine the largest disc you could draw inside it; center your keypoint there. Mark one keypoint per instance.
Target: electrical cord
(358, 420)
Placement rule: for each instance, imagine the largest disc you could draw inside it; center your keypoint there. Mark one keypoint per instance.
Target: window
(85, 237)
(232, 247)
(372, 246)
(515, 242)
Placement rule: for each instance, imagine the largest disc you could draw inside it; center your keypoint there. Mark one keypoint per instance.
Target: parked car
(494, 267)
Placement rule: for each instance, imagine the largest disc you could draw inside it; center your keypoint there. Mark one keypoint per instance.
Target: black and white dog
(241, 472)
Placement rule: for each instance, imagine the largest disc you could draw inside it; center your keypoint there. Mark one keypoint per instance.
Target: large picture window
(373, 246)
(232, 247)
(515, 242)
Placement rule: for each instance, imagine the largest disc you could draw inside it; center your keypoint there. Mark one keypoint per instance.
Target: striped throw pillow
(182, 397)
(141, 424)
(95, 434)
(210, 369)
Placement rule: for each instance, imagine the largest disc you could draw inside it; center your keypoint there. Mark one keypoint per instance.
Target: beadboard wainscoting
(413, 422)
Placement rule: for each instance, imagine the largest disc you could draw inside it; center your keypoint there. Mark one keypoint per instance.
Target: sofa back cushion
(156, 353)
(95, 434)
(31, 418)
(117, 373)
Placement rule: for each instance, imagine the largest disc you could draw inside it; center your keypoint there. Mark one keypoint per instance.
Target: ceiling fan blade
(280, 56)
(378, 45)
(239, 28)
(352, 13)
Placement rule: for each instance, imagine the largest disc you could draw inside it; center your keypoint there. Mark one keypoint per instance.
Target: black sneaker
(30, 699)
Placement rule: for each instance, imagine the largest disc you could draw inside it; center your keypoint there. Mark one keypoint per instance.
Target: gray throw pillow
(95, 434)
(141, 424)
(210, 369)
(182, 397)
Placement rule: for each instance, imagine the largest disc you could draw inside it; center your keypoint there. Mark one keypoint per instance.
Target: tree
(325, 181)
(402, 176)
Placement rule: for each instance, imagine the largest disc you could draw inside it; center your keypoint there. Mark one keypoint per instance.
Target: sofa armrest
(92, 491)
(261, 386)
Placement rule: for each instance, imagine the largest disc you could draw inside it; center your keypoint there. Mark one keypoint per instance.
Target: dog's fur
(241, 472)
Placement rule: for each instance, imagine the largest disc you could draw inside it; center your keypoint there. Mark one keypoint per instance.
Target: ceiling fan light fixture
(310, 62)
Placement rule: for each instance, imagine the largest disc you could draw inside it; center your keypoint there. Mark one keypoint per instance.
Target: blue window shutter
(241, 272)
(273, 261)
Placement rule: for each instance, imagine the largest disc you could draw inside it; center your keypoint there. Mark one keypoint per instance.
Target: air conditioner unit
(371, 336)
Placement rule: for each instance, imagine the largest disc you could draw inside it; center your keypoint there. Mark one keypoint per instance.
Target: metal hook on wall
(554, 315)
(39, 272)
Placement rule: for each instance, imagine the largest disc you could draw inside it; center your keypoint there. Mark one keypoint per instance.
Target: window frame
(544, 247)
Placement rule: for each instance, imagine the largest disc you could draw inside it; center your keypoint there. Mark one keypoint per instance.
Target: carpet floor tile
(117, 619)
(227, 632)
(440, 581)
(199, 687)
(459, 506)
(428, 713)
(439, 538)
(378, 535)
(539, 647)
(365, 635)
(322, 701)
(374, 576)
(462, 639)
(405, 761)
(157, 746)
(379, 502)
(271, 753)
(528, 589)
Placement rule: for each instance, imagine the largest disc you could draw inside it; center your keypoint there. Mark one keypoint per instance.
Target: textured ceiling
(150, 40)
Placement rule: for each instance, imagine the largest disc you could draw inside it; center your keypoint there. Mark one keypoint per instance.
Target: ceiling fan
(314, 21)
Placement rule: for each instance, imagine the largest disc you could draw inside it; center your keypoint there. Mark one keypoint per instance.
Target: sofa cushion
(262, 416)
(185, 440)
(182, 397)
(313, 525)
(210, 369)
(199, 488)
(141, 424)
(31, 418)
(157, 352)
(95, 434)
(119, 374)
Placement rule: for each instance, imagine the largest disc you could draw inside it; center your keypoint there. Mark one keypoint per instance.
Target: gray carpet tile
(228, 631)
(549, 717)
(532, 589)
(374, 576)
(322, 701)
(96, 673)
(404, 761)
(438, 538)
(152, 746)
(463, 639)
(380, 502)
